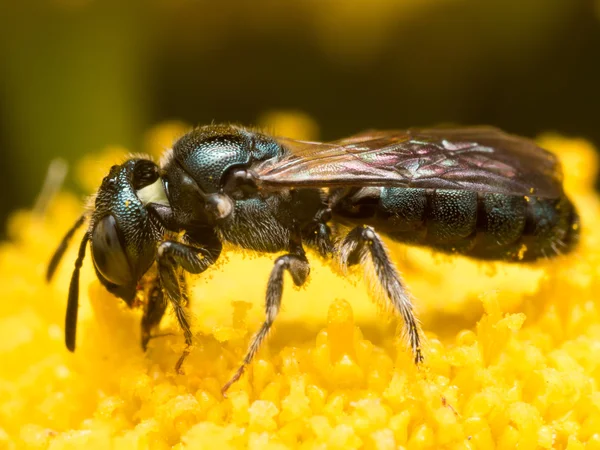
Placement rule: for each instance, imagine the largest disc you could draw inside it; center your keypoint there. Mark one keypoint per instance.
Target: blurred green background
(78, 75)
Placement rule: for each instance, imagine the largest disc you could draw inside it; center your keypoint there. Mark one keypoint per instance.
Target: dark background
(78, 75)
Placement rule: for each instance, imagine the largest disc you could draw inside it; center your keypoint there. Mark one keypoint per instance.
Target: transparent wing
(482, 159)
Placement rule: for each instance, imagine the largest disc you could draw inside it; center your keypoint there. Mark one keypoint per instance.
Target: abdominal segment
(482, 225)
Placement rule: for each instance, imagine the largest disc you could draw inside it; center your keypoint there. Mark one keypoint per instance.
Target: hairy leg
(171, 256)
(154, 310)
(362, 242)
(297, 265)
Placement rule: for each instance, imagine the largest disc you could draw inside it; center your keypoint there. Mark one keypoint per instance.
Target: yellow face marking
(153, 193)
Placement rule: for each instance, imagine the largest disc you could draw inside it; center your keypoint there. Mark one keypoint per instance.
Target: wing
(482, 159)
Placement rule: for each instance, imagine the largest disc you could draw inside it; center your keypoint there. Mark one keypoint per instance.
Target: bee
(477, 192)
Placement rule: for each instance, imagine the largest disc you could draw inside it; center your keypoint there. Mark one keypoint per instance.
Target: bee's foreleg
(298, 267)
(172, 255)
(361, 243)
(154, 310)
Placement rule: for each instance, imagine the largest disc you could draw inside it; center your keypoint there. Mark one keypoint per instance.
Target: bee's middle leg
(298, 267)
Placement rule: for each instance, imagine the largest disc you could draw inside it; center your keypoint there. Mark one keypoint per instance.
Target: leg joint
(163, 248)
(368, 234)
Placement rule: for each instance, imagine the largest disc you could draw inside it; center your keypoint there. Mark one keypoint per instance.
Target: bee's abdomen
(482, 225)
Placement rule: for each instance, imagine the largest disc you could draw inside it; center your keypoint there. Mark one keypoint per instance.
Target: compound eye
(108, 253)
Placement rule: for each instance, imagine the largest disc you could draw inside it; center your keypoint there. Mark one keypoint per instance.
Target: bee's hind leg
(362, 242)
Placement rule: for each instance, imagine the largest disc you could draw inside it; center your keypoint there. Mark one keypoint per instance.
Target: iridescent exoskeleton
(478, 192)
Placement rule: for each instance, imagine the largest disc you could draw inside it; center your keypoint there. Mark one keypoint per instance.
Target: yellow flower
(512, 358)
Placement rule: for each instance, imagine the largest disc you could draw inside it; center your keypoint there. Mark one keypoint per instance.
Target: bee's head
(123, 233)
